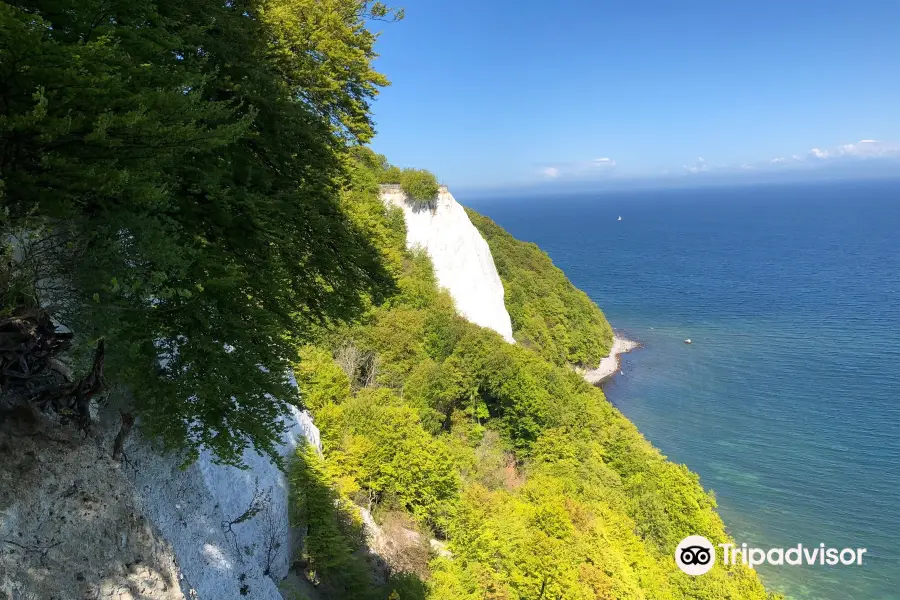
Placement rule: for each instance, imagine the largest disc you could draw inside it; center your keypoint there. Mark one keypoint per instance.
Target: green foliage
(376, 164)
(421, 187)
(391, 174)
(380, 443)
(335, 532)
(548, 313)
(319, 379)
(183, 166)
(334, 549)
(384, 227)
(323, 51)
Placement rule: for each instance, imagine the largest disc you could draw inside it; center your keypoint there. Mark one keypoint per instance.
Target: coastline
(609, 365)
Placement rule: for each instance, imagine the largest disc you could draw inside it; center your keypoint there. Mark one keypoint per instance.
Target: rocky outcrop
(398, 545)
(72, 526)
(228, 527)
(156, 531)
(462, 260)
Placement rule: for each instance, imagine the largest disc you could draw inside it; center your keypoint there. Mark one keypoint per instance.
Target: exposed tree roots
(34, 385)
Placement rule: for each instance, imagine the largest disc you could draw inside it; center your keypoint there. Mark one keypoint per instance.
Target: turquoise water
(788, 401)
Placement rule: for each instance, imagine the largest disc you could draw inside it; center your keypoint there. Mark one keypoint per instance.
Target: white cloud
(823, 157)
(579, 169)
(818, 157)
(873, 148)
(698, 167)
(861, 149)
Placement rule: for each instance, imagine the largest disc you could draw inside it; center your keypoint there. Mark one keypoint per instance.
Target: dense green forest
(189, 182)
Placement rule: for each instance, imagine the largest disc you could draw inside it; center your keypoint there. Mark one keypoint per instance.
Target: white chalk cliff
(462, 259)
(195, 510)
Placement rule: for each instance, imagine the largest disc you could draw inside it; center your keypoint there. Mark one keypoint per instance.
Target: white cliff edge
(462, 259)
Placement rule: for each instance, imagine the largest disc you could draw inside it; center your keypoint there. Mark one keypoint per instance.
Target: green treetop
(421, 186)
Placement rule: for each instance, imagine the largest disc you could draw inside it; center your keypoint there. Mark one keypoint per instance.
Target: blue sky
(497, 93)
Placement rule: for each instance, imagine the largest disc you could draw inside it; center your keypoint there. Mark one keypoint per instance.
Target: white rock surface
(192, 508)
(72, 526)
(462, 260)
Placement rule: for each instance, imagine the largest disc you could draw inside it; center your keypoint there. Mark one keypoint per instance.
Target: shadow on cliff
(70, 523)
(423, 206)
(333, 558)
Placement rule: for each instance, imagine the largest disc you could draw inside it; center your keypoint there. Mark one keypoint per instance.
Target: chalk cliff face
(144, 529)
(462, 260)
(228, 527)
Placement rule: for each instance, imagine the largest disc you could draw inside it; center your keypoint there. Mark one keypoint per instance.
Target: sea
(787, 401)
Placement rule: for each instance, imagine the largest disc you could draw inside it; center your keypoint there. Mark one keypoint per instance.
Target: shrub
(420, 186)
(390, 175)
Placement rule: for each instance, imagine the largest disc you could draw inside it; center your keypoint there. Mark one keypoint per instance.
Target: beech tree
(177, 168)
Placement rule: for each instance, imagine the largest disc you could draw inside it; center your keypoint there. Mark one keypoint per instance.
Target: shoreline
(610, 364)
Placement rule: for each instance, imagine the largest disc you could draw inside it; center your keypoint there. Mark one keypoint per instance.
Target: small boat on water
(620, 218)
(687, 341)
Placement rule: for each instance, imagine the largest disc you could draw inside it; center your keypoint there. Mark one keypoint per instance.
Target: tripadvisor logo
(695, 555)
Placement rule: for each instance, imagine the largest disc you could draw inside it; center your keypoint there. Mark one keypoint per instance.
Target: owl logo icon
(695, 555)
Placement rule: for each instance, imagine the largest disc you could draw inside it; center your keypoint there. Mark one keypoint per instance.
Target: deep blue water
(788, 401)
